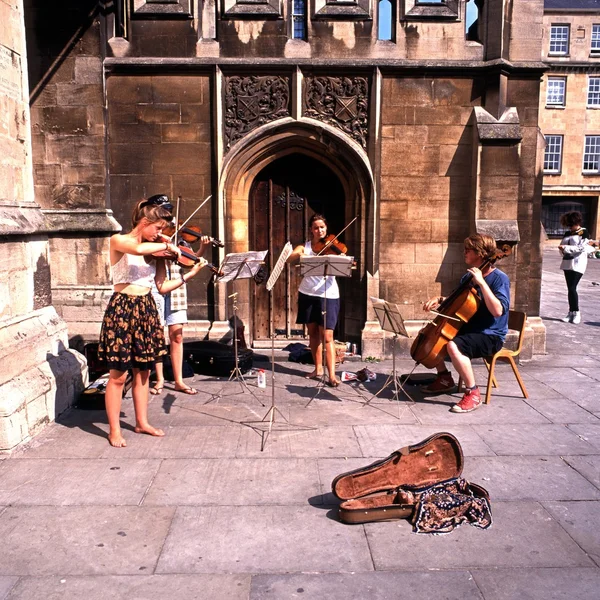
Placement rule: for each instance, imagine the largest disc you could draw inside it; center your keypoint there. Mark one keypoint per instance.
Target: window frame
(563, 103)
(304, 18)
(595, 51)
(595, 93)
(558, 169)
(554, 26)
(596, 170)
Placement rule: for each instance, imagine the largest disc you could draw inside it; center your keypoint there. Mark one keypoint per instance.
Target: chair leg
(487, 364)
(491, 380)
(513, 364)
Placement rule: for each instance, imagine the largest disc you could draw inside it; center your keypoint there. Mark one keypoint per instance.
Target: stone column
(40, 376)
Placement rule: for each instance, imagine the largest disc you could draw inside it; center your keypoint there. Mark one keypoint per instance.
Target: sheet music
(241, 265)
(276, 272)
(389, 316)
(337, 266)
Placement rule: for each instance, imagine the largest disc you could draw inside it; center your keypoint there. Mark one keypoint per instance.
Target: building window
(593, 95)
(554, 207)
(553, 154)
(559, 39)
(385, 20)
(591, 154)
(299, 19)
(555, 93)
(595, 39)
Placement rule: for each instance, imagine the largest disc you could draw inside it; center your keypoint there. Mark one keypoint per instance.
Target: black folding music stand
(329, 265)
(266, 424)
(390, 319)
(240, 265)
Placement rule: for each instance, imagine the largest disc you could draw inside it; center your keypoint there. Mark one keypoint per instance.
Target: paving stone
(501, 409)
(538, 584)
(38, 481)
(133, 587)
(511, 478)
(269, 539)
(533, 440)
(522, 536)
(82, 540)
(577, 519)
(562, 410)
(450, 585)
(181, 442)
(6, 584)
(588, 466)
(382, 440)
(237, 482)
(353, 413)
(301, 443)
(592, 373)
(189, 413)
(588, 432)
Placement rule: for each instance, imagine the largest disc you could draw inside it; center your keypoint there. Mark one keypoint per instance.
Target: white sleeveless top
(316, 285)
(133, 269)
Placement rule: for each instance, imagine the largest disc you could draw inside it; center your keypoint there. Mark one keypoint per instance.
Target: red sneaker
(470, 401)
(443, 383)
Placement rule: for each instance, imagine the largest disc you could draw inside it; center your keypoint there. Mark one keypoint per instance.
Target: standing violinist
(318, 295)
(483, 335)
(172, 310)
(131, 337)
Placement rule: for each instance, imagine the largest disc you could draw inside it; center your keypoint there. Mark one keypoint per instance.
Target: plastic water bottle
(261, 378)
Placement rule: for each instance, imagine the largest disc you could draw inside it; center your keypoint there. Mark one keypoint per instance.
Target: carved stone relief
(339, 101)
(253, 101)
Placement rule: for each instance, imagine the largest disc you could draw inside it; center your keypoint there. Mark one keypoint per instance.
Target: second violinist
(484, 334)
(316, 295)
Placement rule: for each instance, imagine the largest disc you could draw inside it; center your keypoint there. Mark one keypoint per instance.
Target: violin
(190, 234)
(458, 308)
(187, 258)
(329, 245)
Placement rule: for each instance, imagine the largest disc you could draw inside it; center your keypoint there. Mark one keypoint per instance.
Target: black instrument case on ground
(215, 358)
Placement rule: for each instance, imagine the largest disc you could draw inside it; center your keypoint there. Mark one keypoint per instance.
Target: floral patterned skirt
(131, 335)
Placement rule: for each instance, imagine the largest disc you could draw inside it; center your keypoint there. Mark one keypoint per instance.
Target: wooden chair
(516, 322)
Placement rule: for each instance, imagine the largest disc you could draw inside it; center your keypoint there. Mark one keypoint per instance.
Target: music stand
(390, 319)
(239, 265)
(268, 421)
(329, 265)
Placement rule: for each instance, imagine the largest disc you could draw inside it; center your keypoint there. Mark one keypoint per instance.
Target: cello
(457, 309)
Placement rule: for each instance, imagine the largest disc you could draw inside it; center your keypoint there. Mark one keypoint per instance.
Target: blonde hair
(152, 213)
(483, 245)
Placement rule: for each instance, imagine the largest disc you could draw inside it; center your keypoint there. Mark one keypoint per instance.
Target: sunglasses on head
(158, 200)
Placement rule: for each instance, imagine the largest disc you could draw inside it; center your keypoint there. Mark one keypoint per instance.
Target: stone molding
(357, 10)
(252, 9)
(252, 101)
(80, 219)
(21, 219)
(339, 101)
(418, 10)
(505, 129)
(154, 9)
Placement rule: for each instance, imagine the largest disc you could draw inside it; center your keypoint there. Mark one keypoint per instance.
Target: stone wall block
(88, 70)
(186, 133)
(423, 208)
(407, 91)
(195, 113)
(453, 92)
(121, 133)
(128, 90)
(69, 94)
(449, 135)
(182, 159)
(455, 161)
(61, 120)
(390, 210)
(159, 113)
(500, 161)
(401, 159)
(60, 149)
(431, 186)
(178, 88)
(124, 159)
(13, 428)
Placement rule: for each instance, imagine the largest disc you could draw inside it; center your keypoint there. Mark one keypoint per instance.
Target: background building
(422, 127)
(569, 112)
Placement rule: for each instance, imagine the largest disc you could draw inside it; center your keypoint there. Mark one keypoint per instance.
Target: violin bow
(336, 237)
(178, 229)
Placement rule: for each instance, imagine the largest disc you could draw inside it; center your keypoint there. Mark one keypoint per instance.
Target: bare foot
(314, 375)
(117, 440)
(157, 388)
(149, 430)
(186, 389)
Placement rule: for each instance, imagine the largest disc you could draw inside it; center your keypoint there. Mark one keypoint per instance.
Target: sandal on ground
(333, 383)
(187, 390)
(156, 389)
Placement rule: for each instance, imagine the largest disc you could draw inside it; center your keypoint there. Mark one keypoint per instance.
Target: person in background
(574, 248)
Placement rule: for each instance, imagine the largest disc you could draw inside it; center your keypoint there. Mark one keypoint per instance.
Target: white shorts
(168, 317)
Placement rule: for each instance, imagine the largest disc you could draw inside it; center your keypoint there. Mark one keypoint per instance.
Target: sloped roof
(574, 5)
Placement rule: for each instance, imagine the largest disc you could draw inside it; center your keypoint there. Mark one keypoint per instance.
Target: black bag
(187, 370)
(215, 358)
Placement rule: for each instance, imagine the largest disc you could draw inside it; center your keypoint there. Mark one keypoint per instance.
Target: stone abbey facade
(277, 109)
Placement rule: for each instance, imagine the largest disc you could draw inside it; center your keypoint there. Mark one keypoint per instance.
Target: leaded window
(299, 19)
(591, 154)
(553, 154)
(559, 39)
(385, 20)
(555, 92)
(595, 39)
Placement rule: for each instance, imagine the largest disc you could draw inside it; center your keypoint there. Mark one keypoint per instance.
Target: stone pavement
(203, 513)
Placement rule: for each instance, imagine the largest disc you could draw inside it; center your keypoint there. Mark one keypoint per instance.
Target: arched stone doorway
(310, 160)
(282, 199)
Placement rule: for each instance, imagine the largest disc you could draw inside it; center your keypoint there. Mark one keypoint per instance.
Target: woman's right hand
(432, 304)
(197, 267)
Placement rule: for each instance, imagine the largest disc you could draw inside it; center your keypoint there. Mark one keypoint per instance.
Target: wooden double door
(283, 198)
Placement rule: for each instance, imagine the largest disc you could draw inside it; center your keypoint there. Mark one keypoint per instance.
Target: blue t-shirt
(483, 321)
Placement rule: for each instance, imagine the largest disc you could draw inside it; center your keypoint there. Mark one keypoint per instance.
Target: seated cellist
(484, 334)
